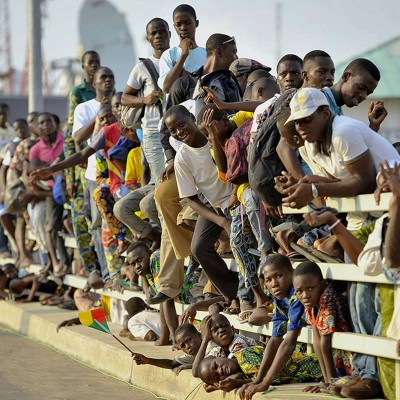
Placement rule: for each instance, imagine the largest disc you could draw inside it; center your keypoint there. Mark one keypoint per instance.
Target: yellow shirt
(134, 167)
(241, 117)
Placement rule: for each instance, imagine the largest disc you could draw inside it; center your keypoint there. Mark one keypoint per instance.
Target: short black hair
(163, 21)
(177, 110)
(56, 119)
(279, 259)
(308, 268)
(218, 114)
(216, 40)
(360, 65)
(290, 58)
(102, 67)
(186, 8)
(47, 113)
(21, 121)
(136, 245)
(4, 107)
(312, 55)
(135, 305)
(89, 53)
(189, 328)
(118, 94)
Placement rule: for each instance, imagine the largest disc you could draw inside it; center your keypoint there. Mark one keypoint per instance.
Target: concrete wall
(19, 106)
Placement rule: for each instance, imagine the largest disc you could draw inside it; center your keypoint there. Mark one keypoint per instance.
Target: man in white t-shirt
(140, 90)
(84, 124)
(196, 173)
(347, 151)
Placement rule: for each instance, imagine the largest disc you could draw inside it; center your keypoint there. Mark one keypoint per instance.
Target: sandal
(67, 305)
(232, 309)
(244, 316)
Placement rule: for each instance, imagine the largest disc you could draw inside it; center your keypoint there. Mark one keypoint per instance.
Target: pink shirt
(47, 154)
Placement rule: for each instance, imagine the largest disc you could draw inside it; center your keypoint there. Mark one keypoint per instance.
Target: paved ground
(31, 371)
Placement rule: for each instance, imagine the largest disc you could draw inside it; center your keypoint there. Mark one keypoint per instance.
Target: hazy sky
(343, 28)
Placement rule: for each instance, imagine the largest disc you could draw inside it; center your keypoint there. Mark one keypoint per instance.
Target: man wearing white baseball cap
(345, 150)
(347, 153)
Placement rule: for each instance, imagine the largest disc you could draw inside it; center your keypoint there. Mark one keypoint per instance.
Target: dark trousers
(205, 235)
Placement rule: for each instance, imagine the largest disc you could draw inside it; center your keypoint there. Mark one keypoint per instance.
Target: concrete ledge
(102, 351)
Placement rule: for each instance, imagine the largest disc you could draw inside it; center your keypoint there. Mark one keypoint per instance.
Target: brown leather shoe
(363, 389)
(335, 388)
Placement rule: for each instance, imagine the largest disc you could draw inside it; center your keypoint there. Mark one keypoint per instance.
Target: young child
(287, 321)
(220, 340)
(188, 338)
(326, 310)
(143, 323)
(242, 367)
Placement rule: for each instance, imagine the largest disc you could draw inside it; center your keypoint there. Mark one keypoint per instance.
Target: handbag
(131, 118)
(12, 203)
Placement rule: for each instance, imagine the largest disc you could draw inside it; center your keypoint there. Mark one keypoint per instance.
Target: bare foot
(25, 262)
(122, 246)
(162, 342)
(124, 332)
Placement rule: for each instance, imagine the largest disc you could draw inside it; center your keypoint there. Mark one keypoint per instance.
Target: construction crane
(6, 70)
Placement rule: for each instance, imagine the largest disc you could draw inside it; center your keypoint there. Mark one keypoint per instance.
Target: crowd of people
(193, 162)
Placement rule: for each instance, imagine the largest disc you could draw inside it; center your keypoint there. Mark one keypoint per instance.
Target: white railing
(372, 345)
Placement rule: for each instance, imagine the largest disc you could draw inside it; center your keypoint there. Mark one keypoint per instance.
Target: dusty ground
(31, 371)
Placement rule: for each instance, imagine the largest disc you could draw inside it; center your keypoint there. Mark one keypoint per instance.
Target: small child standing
(327, 311)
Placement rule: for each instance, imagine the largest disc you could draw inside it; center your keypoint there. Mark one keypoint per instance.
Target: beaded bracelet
(336, 223)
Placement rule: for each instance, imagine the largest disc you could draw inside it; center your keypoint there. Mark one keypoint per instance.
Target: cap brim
(301, 114)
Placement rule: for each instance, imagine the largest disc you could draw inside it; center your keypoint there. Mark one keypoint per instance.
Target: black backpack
(264, 162)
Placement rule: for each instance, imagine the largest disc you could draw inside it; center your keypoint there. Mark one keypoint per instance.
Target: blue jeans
(365, 310)
(251, 204)
(241, 240)
(154, 153)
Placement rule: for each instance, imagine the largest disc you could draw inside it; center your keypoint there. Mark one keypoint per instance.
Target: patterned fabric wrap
(241, 240)
(189, 282)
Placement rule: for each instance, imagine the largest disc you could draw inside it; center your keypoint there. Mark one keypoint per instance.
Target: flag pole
(110, 333)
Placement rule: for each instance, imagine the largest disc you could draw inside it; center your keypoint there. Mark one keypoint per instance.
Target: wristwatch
(314, 191)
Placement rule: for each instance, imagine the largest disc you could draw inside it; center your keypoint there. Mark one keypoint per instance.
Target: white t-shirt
(83, 114)
(140, 79)
(8, 157)
(195, 60)
(260, 110)
(143, 322)
(196, 173)
(351, 139)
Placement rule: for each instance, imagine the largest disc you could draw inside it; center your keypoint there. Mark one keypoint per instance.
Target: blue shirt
(332, 102)
(288, 315)
(195, 60)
